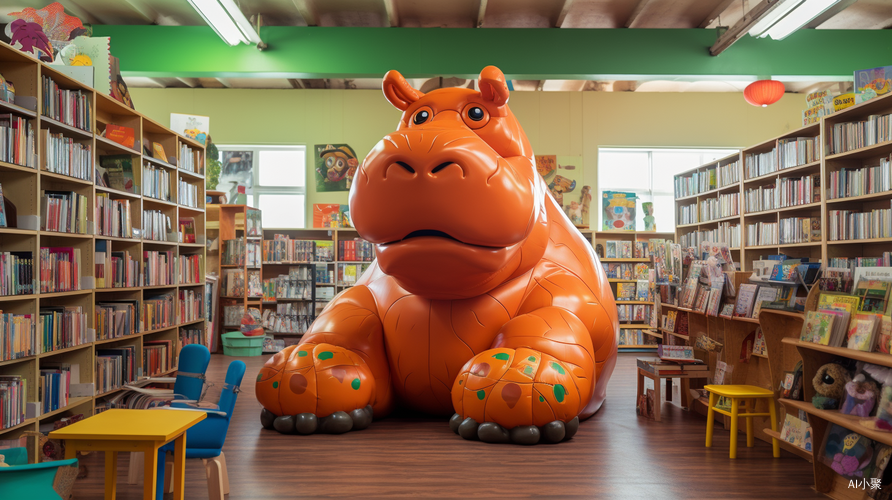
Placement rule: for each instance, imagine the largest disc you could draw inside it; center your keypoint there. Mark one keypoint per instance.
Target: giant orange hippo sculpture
(484, 302)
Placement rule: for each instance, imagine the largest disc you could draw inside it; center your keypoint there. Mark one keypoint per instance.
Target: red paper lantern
(763, 92)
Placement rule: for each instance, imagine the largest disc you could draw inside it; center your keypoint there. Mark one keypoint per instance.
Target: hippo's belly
(428, 342)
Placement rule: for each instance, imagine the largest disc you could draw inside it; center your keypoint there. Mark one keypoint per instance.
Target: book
(872, 294)
(3, 222)
(795, 431)
(846, 452)
(124, 136)
(158, 151)
(120, 172)
(187, 229)
(765, 294)
(642, 290)
(746, 296)
(862, 333)
(625, 291)
(759, 346)
(817, 327)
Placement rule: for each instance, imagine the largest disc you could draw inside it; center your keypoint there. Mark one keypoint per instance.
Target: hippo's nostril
(406, 166)
(441, 166)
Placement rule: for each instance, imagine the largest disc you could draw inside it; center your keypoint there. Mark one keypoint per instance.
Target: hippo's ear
(493, 86)
(398, 91)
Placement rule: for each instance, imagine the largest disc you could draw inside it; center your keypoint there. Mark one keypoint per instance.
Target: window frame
(670, 191)
(257, 190)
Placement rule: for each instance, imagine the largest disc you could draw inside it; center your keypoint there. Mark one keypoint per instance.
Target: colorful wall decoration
(619, 210)
(335, 166)
(195, 126)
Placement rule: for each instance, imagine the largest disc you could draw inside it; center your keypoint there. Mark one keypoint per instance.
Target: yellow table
(133, 430)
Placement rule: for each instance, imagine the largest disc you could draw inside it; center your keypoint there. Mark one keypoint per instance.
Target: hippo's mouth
(436, 234)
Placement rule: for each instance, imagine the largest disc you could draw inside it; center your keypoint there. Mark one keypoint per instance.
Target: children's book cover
(848, 453)
(817, 327)
(861, 334)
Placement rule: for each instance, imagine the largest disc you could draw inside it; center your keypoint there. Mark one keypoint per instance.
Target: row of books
(190, 159)
(190, 336)
(116, 319)
(761, 233)
(187, 194)
(624, 271)
(799, 230)
(59, 269)
(232, 315)
(71, 107)
(233, 252)
(688, 214)
(63, 212)
(113, 217)
(696, 183)
(287, 286)
(852, 262)
(716, 208)
(157, 357)
(16, 140)
(115, 269)
(760, 198)
(189, 269)
(155, 225)
(729, 174)
(348, 274)
(155, 182)
(847, 182)
(636, 313)
(158, 268)
(282, 249)
(793, 191)
(233, 283)
(675, 322)
(725, 231)
(759, 164)
(13, 396)
(114, 368)
(291, 317)
(16, 273)
(638, 291)
(356, 249)
(859, 321)
(62, 327)
(191, 306)
(67, 156)
(158, 311)
(859, 134)
(17, 336)
(797, 151)
(633, 336)
(667, 261)
(852, 225)
(618, 249)
(55, 385)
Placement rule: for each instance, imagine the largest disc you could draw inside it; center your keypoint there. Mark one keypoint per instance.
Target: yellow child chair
(737, 393)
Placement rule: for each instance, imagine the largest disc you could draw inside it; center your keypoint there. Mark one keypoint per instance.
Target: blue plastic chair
(31, 481)
(205, 440)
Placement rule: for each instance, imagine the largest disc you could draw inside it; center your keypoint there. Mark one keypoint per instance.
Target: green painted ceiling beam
(527, 54)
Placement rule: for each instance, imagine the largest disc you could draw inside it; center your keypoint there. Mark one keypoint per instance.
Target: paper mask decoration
(619, 211)
(560, 185)
(545, 164)
(193, 126)
(29, 38)
(41, 32)
(335, 166)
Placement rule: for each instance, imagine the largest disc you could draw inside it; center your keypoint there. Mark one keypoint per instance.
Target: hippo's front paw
(522, 396)
(315, 388)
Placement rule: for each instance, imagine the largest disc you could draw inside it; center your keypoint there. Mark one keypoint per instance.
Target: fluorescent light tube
(799, 17)
(782, 9)
(226, 20)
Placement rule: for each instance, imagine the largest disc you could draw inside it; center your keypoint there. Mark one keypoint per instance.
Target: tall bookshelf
(232, 226)
(600, 238)
(781, 328)
(23, 186)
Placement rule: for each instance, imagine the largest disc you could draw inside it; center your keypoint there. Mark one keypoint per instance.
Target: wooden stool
(749, 394)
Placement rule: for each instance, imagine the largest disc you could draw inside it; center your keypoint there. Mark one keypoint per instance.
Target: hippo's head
(452, 199)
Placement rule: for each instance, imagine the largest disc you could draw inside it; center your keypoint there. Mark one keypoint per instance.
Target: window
(649, 174)
(275, 180)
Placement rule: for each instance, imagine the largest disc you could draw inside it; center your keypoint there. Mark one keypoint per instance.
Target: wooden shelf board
(56, 352)
(119, 289)
(863, 241)
(194, 321)
(117, 238)
(645, 346)
(684, 337)
(65, 294)
(614, 259)
(156, 287)
(190, 174)
(878, 149)
(197, 210)
(876, 358)
(783, 313)
(634, 325)
(634, 302)
(729, 187)
(156, 161)
(27, 422)
(871, 196)
(6, 298)
(9, 107)
(117, 339)
(72, 403)
(668, 305)
(104, 143)
(18, 360)
(760, 355)
(799, 245)
(59, 234)
(760, 247)
(57, 125)
(850, 422)
(46, 174)
(745, 320)
(109, 392)
(652, 333)
(792, 448)
(815, 204)
(20, 168)
(156, 201)
(117, 192)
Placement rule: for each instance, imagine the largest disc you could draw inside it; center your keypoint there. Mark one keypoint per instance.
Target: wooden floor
(615, 455)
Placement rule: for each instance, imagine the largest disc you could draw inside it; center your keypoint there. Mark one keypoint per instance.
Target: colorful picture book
(124, 136)
(817, 327)
(746, 297)
(158, 151)
(119, 171)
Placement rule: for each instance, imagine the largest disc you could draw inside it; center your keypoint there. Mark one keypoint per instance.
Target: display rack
(23, 186)
(231, 226)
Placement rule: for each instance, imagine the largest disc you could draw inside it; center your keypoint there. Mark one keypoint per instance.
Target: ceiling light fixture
(227, 21)
(788, 16)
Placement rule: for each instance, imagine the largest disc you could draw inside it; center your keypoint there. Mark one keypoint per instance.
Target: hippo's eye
(475, 114)
(421, 117)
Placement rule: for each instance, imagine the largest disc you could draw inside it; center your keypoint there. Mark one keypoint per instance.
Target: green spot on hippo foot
(559, 393)
(259, 376)
(502, 356)
(541, 399)
(355, 384)
(302, 354)
(532, 358)
(558, 368)
(325, 355)
(481, 394)
(275, 385)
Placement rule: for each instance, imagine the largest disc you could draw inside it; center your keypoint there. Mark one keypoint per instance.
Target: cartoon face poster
(335, 166)
(193, 126)
(618, 211)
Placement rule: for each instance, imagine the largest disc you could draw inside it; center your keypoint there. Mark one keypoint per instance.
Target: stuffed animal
(861, 397)
(830, 386)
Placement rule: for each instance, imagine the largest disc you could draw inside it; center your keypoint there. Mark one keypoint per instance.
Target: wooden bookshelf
(232, 225)
(23, 185)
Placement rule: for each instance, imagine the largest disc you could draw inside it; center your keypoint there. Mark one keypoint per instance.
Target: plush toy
(3, 461)
(861, 397)
(830, 385)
